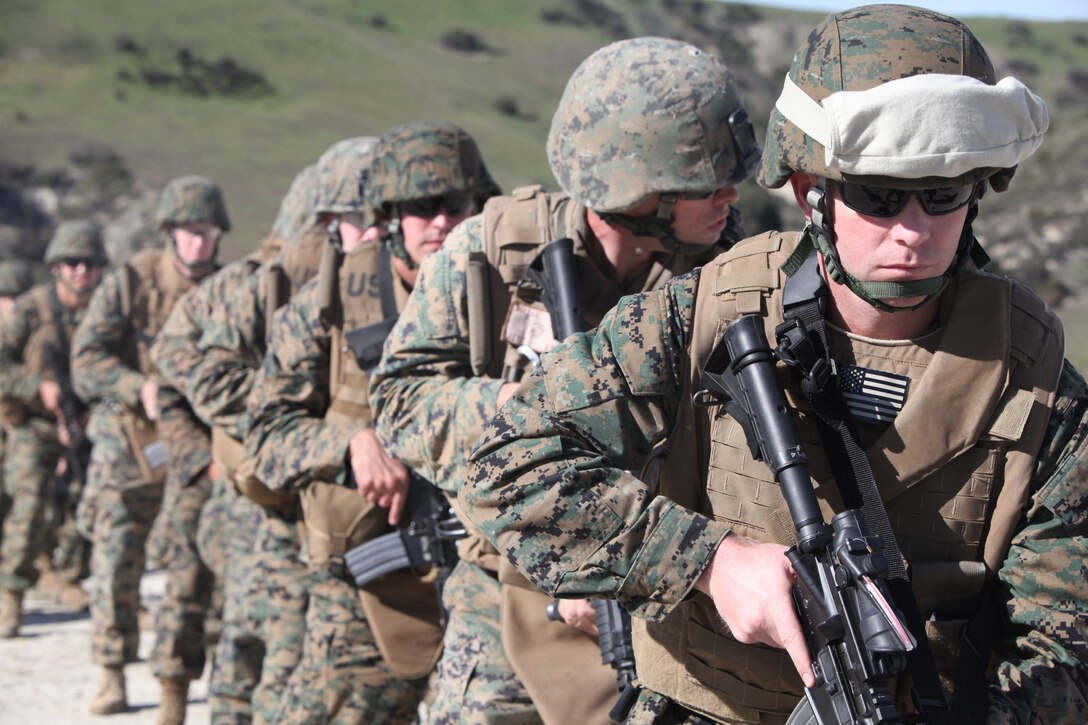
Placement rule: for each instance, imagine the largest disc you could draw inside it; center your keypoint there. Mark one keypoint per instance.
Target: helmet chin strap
(659, 225)
(394, 239)
(819, 233)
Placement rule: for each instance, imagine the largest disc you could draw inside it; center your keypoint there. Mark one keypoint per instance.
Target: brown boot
(175, 696)
(11, 612)
(110, 698)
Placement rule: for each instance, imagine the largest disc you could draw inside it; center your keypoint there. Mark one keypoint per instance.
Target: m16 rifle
(553, 271)
(857, 637)
(427, 539)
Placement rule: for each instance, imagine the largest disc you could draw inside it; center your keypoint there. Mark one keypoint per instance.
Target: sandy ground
(46, 674)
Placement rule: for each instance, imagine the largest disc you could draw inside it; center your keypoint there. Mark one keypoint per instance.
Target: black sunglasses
(882, 201)
(429, 207)
(76, 261)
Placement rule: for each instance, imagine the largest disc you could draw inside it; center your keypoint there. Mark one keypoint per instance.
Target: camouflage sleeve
(550, 483)
(16, 327)
(97, 368)
(230, 351)
(188, 442)
(288, 437)
(428, 407)
(1045, 579)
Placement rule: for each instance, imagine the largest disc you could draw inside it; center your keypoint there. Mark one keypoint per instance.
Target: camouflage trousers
(186, 621)
(342, 677)
(277, 595)
(229, 523)
(122, 520)
(29, 475)
(476, 682)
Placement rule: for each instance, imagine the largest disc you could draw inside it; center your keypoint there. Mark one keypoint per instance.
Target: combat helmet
(76, 240)
(192, 200)
(849, 112)
(649, 115)
(420, 160)
(338, 172)
(296, 213)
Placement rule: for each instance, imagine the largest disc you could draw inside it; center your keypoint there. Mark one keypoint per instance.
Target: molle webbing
(687, 653)
(365, 295)
(515, 227)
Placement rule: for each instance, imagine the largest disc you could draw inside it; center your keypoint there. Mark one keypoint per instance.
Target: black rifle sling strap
(803, 307)
(385, 284)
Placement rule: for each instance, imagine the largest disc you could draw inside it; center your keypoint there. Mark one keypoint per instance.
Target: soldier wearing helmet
(310, 432)
(43, 418)
(209, 349)
(648, 142)
(946, 382)
(141, 435)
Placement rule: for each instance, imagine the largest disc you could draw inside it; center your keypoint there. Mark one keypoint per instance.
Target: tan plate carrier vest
(149, 287)
(515, 228)
(39, 346)
(966, 439)
(281, 277)
(402, 606)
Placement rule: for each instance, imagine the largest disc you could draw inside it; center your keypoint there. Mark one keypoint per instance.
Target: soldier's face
(911, 245)
(80, 276)
(196, 243)
(702, 221)
(424, 235)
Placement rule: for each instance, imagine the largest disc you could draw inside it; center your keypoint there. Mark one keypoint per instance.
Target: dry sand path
(47, 678)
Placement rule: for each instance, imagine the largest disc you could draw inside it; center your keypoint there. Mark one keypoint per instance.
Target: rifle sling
(857, 485)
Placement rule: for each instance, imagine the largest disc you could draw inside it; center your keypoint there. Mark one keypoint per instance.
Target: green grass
(335, 76)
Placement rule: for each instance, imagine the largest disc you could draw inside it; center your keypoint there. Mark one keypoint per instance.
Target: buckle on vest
(800, 351)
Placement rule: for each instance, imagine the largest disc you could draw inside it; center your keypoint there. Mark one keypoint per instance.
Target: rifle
(856, 636)
(73, 414)
(553, 271)
(428, 539)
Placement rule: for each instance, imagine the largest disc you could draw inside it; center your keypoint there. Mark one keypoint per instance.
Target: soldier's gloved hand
(149, 393)
(580, 614)
(380, 479)
(49, 392)
(750, 583)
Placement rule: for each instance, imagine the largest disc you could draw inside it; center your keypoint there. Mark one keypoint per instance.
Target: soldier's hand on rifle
(579, 613)
(49, 392)
(380, 479)
(149, 394)
(751, 584)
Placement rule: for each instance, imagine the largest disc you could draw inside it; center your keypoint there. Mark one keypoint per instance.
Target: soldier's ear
(801, 183)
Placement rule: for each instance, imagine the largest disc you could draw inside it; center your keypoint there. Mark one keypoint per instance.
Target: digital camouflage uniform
(16, 277)
(35, 337)
(110, 362)
(979, 467)
(598, 531)
(342, 670)
(229, 521)
(368, 651)
(273, 582)
(502, 658)
(174, 353)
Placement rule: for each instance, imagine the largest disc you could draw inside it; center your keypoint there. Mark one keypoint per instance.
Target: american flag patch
(873, 396)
